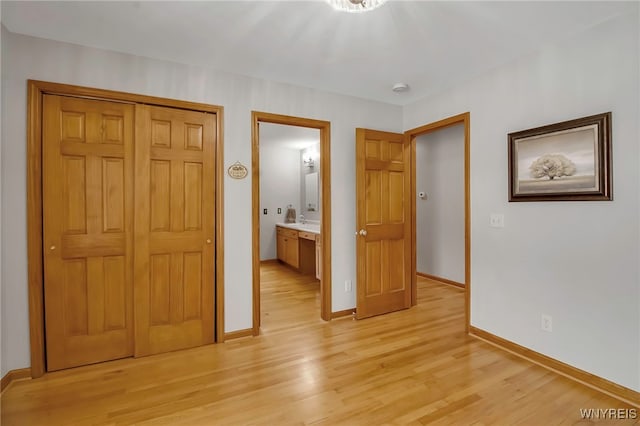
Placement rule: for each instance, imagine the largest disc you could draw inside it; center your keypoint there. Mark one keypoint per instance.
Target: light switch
(496, 220)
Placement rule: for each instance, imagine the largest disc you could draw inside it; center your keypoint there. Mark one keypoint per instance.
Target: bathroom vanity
(298, 245)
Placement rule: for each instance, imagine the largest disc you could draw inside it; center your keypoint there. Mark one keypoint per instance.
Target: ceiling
(430, 45)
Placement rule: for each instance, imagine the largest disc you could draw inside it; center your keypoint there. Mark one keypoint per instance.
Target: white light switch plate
(496, 220)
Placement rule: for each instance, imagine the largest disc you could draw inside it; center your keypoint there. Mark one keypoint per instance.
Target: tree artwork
(552, 166)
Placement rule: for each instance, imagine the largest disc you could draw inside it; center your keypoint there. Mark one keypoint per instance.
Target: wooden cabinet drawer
(291, 233)
(307, 235)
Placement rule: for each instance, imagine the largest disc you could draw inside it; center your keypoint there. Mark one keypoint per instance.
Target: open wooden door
(383, 220)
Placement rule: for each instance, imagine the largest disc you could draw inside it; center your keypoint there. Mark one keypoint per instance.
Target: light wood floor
(411, 367)
(290, 301)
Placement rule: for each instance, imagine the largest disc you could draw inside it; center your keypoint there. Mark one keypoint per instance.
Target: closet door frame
(36, 91)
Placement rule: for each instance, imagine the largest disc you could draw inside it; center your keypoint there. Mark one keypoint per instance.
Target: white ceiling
(430, 45)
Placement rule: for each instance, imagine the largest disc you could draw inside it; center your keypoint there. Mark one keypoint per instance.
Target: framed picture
(568, 161)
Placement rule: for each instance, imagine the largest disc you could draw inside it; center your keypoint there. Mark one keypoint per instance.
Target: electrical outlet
(347, 286)
(496, 220)
(546, 323)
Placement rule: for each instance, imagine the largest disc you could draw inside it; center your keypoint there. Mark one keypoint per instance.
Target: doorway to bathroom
(291, 220)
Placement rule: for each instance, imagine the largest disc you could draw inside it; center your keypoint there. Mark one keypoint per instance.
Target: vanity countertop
(306, 227)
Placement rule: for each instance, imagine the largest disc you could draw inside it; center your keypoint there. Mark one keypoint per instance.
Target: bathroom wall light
(308, 161)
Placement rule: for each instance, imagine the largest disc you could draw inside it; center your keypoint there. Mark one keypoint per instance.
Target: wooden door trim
(412, 134)
(325, 179)
(36, 91)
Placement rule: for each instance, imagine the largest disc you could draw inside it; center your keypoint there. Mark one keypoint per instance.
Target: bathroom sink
(308, 227)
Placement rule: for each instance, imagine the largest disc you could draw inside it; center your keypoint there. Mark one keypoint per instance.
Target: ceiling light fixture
(356, 5)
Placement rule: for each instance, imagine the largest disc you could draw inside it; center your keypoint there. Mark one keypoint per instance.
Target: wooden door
(174, 229)
(87, 230)
(383, 216)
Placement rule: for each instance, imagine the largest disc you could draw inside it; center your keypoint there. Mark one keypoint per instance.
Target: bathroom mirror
(311, 192)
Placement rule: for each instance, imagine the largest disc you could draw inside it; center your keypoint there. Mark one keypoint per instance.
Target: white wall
(576, 261)
(440, 216)
(3, 344)
(279, 187)
(27, 57)
(637, 136)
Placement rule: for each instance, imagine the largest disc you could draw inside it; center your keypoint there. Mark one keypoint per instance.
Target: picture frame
(566, 161)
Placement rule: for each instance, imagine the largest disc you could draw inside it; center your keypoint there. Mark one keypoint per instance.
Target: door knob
(363, 232)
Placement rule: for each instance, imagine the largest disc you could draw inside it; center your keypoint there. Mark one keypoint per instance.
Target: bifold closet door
(174, 229)
(87, 230)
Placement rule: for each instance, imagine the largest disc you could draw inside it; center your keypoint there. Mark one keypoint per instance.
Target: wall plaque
(237, 170)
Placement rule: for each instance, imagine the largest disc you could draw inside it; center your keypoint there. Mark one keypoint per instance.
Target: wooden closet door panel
(174, 260)
(87, 230)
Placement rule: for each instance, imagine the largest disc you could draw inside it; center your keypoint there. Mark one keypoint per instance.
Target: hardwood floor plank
(411, 367)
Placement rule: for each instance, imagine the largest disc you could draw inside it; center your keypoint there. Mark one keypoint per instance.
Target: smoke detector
(400, 87)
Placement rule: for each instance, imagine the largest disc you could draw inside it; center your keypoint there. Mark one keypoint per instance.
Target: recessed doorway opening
(461, 124)
(291, 213)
